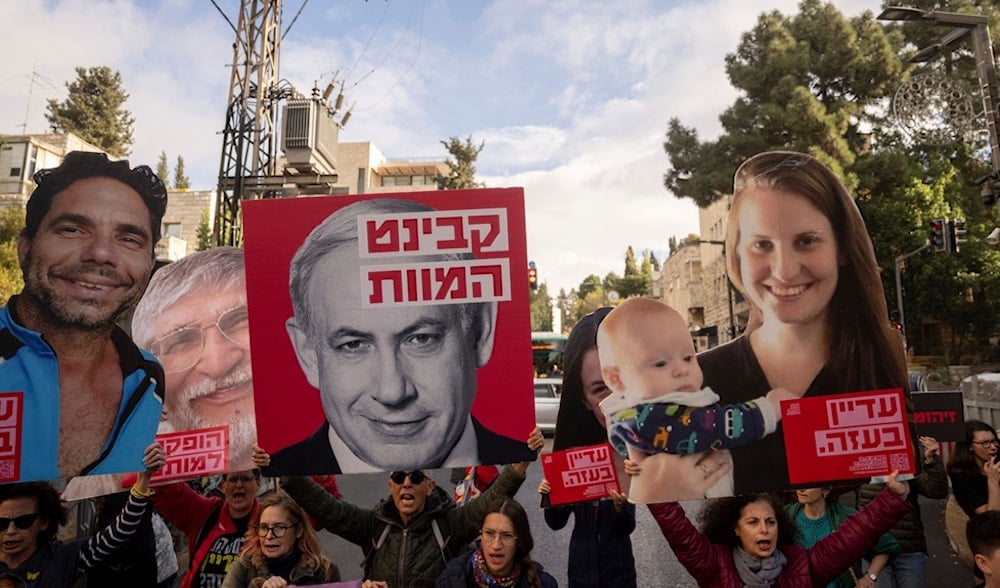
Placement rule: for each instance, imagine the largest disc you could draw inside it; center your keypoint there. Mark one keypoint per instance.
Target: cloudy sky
(572, 97)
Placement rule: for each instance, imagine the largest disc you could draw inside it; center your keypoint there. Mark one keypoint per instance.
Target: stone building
(363, 169)
(22, 155)
(694, 281)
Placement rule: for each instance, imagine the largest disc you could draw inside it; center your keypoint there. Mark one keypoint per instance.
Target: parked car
(547, 392)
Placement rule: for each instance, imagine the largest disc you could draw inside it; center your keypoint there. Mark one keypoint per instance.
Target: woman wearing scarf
(281, 549)
(750, 540)
(502, 557)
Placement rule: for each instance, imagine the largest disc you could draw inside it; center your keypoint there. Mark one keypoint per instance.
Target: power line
(295, 18)
(416, 56)
(365, 48)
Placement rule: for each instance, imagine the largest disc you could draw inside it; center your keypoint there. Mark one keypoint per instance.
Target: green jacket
(410, 556)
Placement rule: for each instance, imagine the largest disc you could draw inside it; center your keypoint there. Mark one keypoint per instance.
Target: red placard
(11, 406)
(847, 436)
(406, 259)
(580, 474)
(192, 454)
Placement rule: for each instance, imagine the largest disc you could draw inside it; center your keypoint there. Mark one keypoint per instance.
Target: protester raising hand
(34, 513)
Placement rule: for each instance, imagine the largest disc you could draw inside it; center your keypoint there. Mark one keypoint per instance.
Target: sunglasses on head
(21, 522)
(416, 476)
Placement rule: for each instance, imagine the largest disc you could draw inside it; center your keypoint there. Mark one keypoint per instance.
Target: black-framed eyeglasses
(278, 530)
(245, 478)
(986, 443)
(490, 536)
(180, 350)
(416, 477)
(22, 522)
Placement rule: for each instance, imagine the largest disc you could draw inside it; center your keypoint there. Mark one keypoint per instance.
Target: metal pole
(899, 285)
(729, 287)
(729, 292)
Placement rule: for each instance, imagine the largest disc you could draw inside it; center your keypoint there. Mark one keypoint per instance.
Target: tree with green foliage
(11, 279)
(819, 83)
(813, 82)
(162, 170)
(591, 294)
(638, 278)
(94, 110)
(204, 231)
(462, 172)
(181, 181)
(541, 309)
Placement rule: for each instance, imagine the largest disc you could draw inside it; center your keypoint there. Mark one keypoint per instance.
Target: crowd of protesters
(797, 250)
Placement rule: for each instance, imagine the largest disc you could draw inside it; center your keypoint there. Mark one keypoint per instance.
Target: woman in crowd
(798, 251)
(750, 540)
(281, 549)
(974, 471)
(502, 556)
(816, 516)
(600, 550)
(31, 514)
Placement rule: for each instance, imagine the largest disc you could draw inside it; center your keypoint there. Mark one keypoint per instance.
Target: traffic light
(532, 278)
(957, 227)
(940, 234)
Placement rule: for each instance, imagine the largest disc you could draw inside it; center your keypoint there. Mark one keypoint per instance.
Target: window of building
(172, 229)
(15, 172)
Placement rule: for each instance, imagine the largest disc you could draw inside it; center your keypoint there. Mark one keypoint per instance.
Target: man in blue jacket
(89, 399)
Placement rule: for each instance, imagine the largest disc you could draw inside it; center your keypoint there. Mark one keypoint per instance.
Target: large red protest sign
(361, 297)
(847, 436)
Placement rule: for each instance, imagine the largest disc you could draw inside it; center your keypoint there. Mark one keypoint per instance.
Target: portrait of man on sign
(394, 316)
(193, 317)
(77, 396)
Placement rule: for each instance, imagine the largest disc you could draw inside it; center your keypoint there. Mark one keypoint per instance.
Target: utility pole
(249, 143)
(899, 286)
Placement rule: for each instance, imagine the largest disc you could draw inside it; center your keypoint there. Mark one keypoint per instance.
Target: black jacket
(314, 455)
(600, 550)
(909, 529)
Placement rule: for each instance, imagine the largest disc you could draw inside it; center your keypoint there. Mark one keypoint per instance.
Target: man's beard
(74, 313)
(242, 427)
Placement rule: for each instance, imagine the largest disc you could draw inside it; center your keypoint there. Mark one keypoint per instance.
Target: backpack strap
(440, 539)
(376, 545)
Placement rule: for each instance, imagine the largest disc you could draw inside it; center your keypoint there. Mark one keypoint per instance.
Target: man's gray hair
(217, 269)
(341, 229)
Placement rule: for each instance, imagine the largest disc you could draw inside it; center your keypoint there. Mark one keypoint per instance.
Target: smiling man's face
(396, 383)
(91, 257)
(215, 386)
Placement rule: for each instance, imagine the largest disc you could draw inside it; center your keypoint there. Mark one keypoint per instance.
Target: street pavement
(656, 566)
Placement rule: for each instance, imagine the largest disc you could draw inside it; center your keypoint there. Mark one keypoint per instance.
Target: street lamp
(729, 286)
(976, 25)
(899, 286)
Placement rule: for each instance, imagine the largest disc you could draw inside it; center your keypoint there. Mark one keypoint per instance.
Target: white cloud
(571, 97)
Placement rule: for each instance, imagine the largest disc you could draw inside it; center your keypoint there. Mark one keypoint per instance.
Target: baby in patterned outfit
(658, 404)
